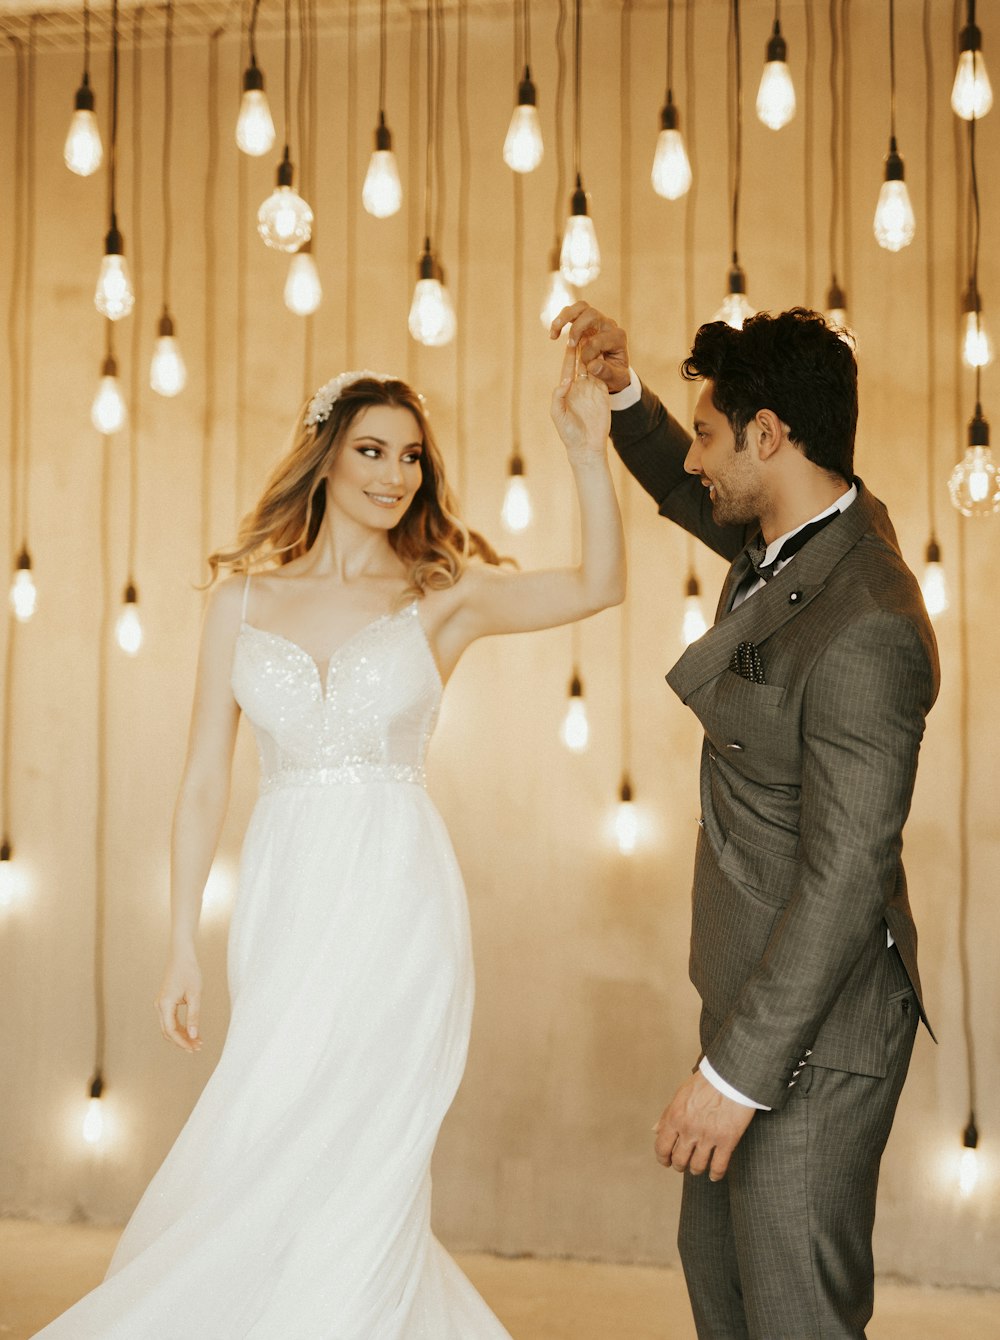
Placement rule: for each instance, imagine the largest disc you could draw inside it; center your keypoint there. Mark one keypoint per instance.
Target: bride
(295, 1204)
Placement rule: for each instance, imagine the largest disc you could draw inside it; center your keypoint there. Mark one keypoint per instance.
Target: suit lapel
(760, 616)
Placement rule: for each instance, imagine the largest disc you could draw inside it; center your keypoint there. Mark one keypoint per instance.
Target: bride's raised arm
(489, 600)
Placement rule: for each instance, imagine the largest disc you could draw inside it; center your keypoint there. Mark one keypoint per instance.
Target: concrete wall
(585, 1019)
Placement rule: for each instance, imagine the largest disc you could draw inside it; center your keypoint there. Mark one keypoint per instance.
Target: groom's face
(731, 474)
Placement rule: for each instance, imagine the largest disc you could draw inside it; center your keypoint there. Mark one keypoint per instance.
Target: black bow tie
(791, 546)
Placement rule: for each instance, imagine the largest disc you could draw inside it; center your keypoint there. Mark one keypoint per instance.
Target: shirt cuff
(628, 396)
(725, 1089)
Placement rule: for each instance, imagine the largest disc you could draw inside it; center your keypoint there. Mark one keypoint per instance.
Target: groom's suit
(807, 774)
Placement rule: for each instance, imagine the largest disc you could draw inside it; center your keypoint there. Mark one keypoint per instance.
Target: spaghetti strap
(246, 593)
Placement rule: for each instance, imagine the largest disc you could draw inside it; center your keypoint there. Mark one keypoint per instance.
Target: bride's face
(377, 470)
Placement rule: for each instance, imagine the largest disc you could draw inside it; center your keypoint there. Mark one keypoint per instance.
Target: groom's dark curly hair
(794, 364)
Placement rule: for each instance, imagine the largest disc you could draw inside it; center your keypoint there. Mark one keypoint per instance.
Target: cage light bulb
(303, 289)
(83, 151)
(971, 93)
(575, 729)
(517, 513)
(523, 149)
(128, 628)
(626, 820)
(23, 592)
(114, 296)
(580, 255)
(933, 586)
(776, 94)
(254, 125)
(894, 224)
(108, 413)
(284, 220)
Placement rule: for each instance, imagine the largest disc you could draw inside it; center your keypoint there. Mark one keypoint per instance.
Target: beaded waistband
(347, 774)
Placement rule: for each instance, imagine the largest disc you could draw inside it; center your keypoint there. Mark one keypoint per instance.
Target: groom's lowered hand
(700, 1129)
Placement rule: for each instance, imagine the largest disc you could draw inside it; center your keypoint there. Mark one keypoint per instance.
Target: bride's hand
(181, 986)
(580, 411)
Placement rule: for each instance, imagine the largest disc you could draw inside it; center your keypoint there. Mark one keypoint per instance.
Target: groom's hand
(602, 343)
(700, 1129)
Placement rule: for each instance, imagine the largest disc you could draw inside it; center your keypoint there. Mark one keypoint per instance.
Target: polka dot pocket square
(747, 663)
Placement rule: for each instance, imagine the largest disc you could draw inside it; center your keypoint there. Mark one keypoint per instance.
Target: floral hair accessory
(322, 402)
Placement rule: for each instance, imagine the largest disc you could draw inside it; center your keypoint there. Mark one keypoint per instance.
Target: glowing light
(114, 296)
(626, 820)
(517, 513)
(933, 585)
(693, 625)
(558, 294)
(735, 308)
(284, 220)
(575, 729)
(11, 884)
(894, 224)
(167, 372)
(108, 412)
(974, 484)
(83, 151)
(580, 256)
(971, 93)
(303, 289)
(382, 193)
(128, 628)
(93, 1121)
(523, 149)
(23, 592)
(776, 94)
(255, 125)
(432, 315)
(671, 174)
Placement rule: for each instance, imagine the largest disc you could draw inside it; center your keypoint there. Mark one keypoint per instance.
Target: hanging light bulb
(974, 484)
(128, 628)
(108, 413)
(933, 585)
(693, 625)
(575, 729)
(558, 294)
(836, 313)
(523, 149)
(735, 307)
(8, 875)
(516, 513)
(626, 819)
(968, 1165)
(254, 125)
(971, 93)
(776, 94)
(284, 220)
(432, 316)
(167, 372)
(894, 223)
(977, 347)
(114, 296)
(580, 257)
(303, 290)
(83, 151)
(93, 1122)
(23, 592)
(382, 193)
(671, 175)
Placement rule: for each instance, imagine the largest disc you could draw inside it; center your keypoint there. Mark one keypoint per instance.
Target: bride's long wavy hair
(431, 540)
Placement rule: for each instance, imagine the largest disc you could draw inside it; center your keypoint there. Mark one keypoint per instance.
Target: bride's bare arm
(489, 600)
(199, 812)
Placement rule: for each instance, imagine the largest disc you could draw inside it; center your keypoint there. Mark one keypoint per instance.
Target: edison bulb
(23, 595)
(974, 484)
(671, 175)
(968, 1171)
(971, 93)
(776, 95)
(580, 256)
(255, 125)
(83, 151)
(284, 220)
(114, 296)
(128, 628)
(516, 513)
(167, 372)
(382, 193)
(432, 316)
(558, 295)
(303, 290)
(693, 625)
(575, 729)
(93, 1122)
(977, 347)
(523, 149)
(626, 823)
(735, 310)
(10, 884)
(108, 413)
(933, 586)
(894, 223)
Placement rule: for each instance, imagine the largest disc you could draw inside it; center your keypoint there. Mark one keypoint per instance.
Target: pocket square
(747, 663)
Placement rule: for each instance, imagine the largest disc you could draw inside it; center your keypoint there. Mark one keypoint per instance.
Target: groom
(812, 688)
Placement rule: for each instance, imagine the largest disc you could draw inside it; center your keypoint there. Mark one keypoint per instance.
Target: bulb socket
(625, 791)
(979, 430)
(286, 170)
(6, 850)
(932, 554)
(836, 298)
(669, 115)
(24, 561)
(576, 686)
(383, 135)
(253, 79)
(970, 1136)
(692, 587)
(737, 279)
(971, 301)
(165, 325)
(84, 99)
(894, 163)
(526, 90)
(114, 242)
(426, 266)
(131, 594)
(109, 368)
(516, 467)
(777, 48)
(578, 200)
(970, 38)
(97, 1085)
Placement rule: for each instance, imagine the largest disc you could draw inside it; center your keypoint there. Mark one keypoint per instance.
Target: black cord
(560, 100)
(86, 42)
(577, 68)
(382, 54)
(834, 136)
(429, 129)
(738, 162)
(670, 49)
(931, 253)
(527, 34)
(252, 34)
(288, 69)
(974, 187)
(168, 115)
(113, 155)
(892, 71)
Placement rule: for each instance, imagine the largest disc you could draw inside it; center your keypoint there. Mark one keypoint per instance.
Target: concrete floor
(44, 1268)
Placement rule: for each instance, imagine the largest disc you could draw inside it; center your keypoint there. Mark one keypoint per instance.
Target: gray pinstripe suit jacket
(806, 781)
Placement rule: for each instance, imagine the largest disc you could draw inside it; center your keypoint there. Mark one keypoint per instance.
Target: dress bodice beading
(370, 719)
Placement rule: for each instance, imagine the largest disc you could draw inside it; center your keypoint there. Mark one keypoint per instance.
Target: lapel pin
(795, 597)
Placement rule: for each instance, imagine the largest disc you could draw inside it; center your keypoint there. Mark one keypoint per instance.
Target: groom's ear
(770, 432)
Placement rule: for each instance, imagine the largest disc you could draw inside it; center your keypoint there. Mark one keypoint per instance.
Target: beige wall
(585, 1020)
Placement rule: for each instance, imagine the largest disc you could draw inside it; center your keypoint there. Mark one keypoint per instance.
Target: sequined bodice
(370, 720)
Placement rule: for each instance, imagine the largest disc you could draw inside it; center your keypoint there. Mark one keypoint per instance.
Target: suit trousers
(781, 1248)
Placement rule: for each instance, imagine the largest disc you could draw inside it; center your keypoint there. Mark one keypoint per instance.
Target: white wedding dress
(295, 1204)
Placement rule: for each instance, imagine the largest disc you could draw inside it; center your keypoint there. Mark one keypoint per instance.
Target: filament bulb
(83, 151)
(523, 149)
(516, 513)
(128, 628)
(575, 729)
(255, 125)
(23, 592)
